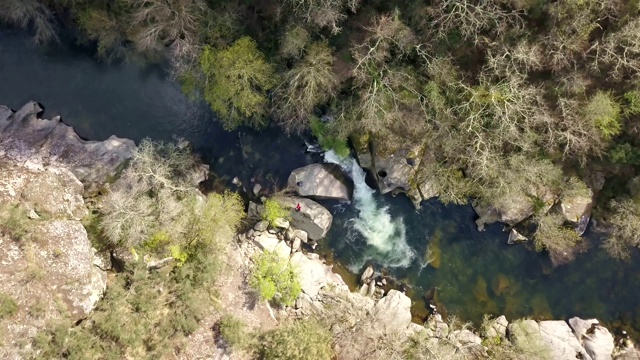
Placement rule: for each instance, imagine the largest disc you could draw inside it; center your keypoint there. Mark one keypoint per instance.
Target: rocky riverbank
(49, 268)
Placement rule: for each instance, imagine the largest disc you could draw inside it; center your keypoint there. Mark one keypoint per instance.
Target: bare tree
(309, 83)
(474, 20)
(619, 51)
(155, 193)
(23, 13)
(324, 13)
(571, 23)
(158, 23)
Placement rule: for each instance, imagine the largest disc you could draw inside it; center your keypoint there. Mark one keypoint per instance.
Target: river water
(473, 273)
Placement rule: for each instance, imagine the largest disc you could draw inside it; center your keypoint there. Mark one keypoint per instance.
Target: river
(473, 273)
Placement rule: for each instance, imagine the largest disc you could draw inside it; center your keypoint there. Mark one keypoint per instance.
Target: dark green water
(477, 272)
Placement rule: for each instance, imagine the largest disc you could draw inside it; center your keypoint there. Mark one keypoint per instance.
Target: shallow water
(473, 272)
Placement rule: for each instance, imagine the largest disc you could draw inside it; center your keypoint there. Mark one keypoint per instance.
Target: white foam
(385, 236)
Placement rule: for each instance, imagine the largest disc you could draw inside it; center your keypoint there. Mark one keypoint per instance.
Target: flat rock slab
(313, 218)
(321, 181)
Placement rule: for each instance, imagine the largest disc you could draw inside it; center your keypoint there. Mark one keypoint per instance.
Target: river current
(436, 250)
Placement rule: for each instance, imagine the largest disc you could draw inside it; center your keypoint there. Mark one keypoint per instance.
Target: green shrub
(553, 236)
(604, 112)
(234, 332)
(8, 306)
(624, 154)
(632, 102)
(273, 210)
(301, 340)
(328, 142)
(274, 278)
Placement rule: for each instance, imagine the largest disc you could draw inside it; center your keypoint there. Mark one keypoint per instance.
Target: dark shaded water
(477, 273)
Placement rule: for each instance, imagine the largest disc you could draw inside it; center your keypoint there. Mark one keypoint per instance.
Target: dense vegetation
(510, 98)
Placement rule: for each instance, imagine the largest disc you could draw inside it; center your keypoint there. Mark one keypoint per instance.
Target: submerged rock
(322, 181)
(36, 143)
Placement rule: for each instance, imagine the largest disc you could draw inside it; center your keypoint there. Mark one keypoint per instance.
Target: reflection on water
(437, 250)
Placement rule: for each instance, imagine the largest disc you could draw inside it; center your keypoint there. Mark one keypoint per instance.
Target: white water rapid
(385, 236)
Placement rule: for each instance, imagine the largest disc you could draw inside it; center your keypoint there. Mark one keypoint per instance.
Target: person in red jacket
(298, 207)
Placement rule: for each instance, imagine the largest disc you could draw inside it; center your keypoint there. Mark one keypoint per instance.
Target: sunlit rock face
(48, 267)
(35, 143)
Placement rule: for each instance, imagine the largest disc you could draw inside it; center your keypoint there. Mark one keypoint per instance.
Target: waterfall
(385, 236)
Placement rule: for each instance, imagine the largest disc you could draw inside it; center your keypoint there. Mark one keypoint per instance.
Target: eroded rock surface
(36, 143)
(47, 264)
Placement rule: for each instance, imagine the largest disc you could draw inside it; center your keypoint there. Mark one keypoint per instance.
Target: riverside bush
(274, 278)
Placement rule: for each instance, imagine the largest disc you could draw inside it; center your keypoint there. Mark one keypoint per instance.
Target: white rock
(311, 274)
(394, 310)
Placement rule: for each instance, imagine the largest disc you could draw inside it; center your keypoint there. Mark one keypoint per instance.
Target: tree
(624, 217)
(159, 23)
(551, 235)
(155, 207)
(472, 19)
(324, 13)
(237, 79)
(108, 29)
(274, 278)
(24, 13)
(604, 112)
(310, 82)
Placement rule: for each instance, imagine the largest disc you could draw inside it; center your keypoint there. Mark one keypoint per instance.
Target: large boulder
(35, 142)
(595, 338)
(52, 192)
(321, 181)
(311, 273)
(514, 209)
(576, 208)
(50, 275)
(525, 334)
(560, 339)
(313, 218)
(394, 310)
(271, 243)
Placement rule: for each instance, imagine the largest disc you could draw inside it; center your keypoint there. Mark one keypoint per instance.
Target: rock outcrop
(394, 310)
(594, 338)
(321, 181)
(48, 268)
(313, 218)
(576, 209)
(37, 143)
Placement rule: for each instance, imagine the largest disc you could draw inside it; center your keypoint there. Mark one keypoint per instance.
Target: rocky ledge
(37, 143)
